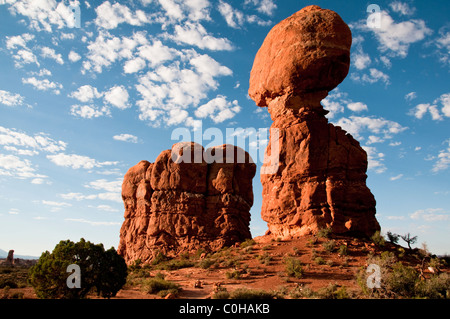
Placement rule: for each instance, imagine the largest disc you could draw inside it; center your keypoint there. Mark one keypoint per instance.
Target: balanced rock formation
(320, 175)
(188, 199)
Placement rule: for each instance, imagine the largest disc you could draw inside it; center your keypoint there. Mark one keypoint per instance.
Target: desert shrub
(206, 263)
(311, 241)
(437, 287)
(378, 239)
(293, 267)
(324, 232)
(392, 238)
(8, 283)
(319, 261)
(302, 292)
(235, 274)
(247, 243)
(244, 293)
(158, 284)
(409, 240)
(265, 258)
(343, 250)
(159, 258)
(333, 292)
(329, 245)
(221, 294)
(104, 272)
(174, 264)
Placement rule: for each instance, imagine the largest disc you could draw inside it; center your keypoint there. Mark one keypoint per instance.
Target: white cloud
(178, 87)
(134, 65)
(13, 166)
(394, 178)
(411, 96)
(445, 101)
(86, 93)
(375, 159)
(105, 208)
(110, 16)
(29, 145)
(355, 125)
(361, 60)
(118, 97)
(13, 42)
(442, 44)
(443, 159)
(43, 85)
(218, 109)
(374, 76)
(103, 184)
(233, 17)
(89, 111)
(402, 8)
(431, 215)
(77, 161)
(396, 38)
(74, 57)
(47, 52)
(11, 99)
(421, 109)
(55, 204)
(23, 55)
(357, 107)
(156, 53)
(263, 6)
(44, 14)
(108, 49)
(126, 138)
(92, 223)
(196, 35)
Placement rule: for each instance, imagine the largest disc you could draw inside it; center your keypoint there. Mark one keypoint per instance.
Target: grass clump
(319, 261)
(333, 291)
(324, 232)
(247, 243)
(265, 258)
(158, 285)
(244, 293)
(235, 274)
(329, 245)
(294, 267)
(378, 239)
(343, 250)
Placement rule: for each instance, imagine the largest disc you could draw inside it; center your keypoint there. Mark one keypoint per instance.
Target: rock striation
(320, 175)
(187, 199)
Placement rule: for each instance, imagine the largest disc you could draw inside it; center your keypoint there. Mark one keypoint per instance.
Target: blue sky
(79, 106)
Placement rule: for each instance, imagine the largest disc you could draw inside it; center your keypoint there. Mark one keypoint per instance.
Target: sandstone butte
(320, 179)
(187, 199)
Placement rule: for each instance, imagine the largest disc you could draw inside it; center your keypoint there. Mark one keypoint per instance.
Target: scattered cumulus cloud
(126, 138)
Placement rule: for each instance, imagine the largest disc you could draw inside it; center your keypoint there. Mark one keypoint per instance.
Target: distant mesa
(183, 203)
(321, 176)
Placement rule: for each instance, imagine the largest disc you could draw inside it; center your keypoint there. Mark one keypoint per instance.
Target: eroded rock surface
(320, 179)
(177, 205)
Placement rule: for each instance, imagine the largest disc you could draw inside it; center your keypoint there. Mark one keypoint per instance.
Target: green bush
(378, 239)
(235, 274)
(244, 293)
(157, 284)
(206, 263)
(104, 272)
(333, 292)
(393, 238)
(319, 261)
(324, 232)
(329, 245)
(343, 250)
(265, 258)
(293, 267)
(247, 243)
(221, 294)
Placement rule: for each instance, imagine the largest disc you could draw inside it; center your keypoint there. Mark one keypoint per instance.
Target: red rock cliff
(321, 176)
